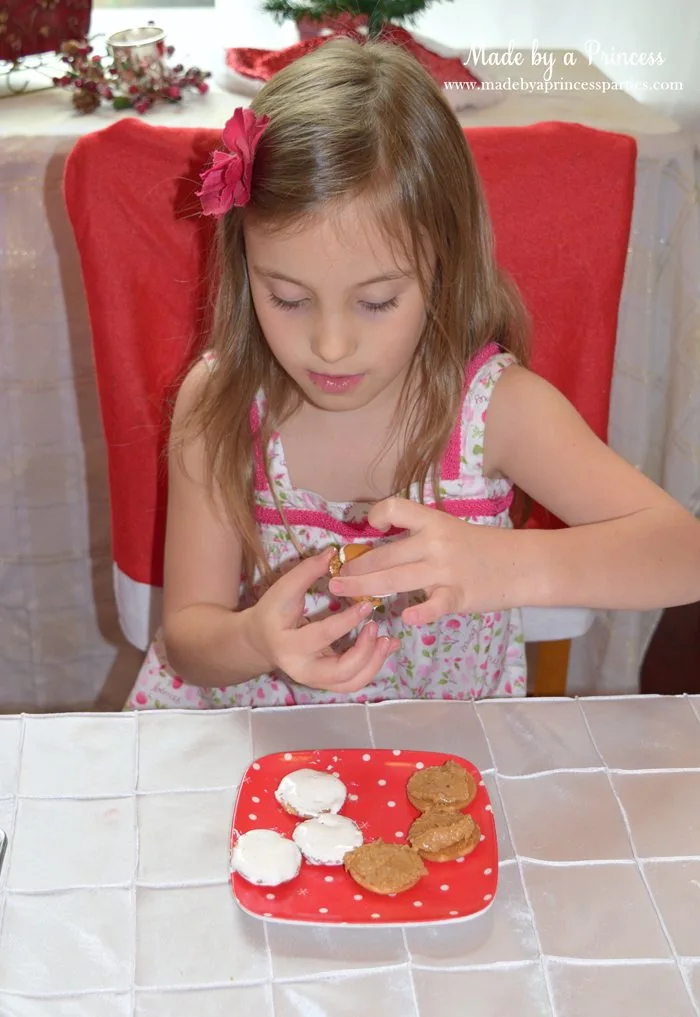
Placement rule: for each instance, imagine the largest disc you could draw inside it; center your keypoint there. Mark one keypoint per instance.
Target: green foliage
(377, 11)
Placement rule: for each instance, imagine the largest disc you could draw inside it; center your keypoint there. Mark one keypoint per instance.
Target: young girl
(365, 384)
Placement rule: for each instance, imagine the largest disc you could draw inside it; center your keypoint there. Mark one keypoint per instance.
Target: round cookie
(327, 839)
(309, 793)
(265, 857)
(345, 554)
(449, 786)
(442, 836)
(385, 868)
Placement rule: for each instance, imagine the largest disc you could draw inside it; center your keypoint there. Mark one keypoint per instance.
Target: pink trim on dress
(451, 461)
(261, 483)
(478, 508)
(464, 508)
(314, 518)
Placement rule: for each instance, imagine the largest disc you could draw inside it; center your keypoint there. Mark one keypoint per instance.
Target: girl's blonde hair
(350, 121)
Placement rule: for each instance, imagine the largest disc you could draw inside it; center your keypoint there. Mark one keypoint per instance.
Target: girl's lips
(336, 383)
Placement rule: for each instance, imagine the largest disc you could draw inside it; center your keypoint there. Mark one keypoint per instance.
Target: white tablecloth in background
(59, 639)
(115, 901)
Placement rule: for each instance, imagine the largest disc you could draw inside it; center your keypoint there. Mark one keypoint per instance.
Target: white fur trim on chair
(549, 624)
(139, 607)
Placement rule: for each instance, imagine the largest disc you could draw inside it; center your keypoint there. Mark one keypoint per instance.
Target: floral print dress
(458, 657)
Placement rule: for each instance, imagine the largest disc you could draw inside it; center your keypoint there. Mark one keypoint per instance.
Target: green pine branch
(377, 11)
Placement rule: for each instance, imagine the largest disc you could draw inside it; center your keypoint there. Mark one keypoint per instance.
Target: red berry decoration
(93, 78)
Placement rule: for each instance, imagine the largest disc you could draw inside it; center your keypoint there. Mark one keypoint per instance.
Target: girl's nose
(333, 340)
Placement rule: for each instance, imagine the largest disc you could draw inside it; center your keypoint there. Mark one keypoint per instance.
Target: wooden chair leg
(551, 663)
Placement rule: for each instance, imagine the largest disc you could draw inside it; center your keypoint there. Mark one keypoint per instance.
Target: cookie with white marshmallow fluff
(309, 793)
(266, 858)
(327, 839)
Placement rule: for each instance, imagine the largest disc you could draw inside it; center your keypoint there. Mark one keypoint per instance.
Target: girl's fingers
(401, 579)
(401, 513)
(369, 672)
(358, 666)
(341, 668)
(291, 588)
(319, 635)
(360, 657)
(383, 557)
(437, 606)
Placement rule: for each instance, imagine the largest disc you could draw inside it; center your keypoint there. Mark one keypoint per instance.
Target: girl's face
(341, 316)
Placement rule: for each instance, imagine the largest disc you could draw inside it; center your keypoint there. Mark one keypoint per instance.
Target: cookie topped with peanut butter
(385, 868)
(449, 786)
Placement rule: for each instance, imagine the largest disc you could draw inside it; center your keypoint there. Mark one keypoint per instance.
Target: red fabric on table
(560, 196)
(263, 64)
(41, 26)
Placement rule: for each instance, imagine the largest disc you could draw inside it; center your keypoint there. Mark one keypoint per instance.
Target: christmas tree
(377, 11)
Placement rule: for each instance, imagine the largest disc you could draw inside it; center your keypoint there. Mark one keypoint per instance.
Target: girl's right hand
(303, 649)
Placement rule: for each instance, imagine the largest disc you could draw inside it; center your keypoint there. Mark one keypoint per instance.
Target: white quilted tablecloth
(114, 900)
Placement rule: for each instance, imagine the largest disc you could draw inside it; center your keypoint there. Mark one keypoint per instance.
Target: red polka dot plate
(376, 782)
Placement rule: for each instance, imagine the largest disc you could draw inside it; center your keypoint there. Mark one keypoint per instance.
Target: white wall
(669, 27)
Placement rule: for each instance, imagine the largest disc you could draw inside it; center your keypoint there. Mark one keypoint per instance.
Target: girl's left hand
(459, 565)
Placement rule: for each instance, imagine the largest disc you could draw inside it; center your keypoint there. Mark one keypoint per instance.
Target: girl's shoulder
(463, 457)
(257, 409)
(481, 377)
(191, 388)
(484, 371)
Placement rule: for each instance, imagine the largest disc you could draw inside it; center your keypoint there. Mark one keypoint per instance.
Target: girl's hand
(302, 649)
(455, 563)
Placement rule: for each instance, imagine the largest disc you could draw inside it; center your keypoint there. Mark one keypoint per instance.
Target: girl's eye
(385, 306)
(285, 305)
(292, 305)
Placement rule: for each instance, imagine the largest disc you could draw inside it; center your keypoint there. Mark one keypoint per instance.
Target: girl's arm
(629, 545)
(207, 640)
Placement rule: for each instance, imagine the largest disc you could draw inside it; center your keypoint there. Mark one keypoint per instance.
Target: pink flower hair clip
(227, 181)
